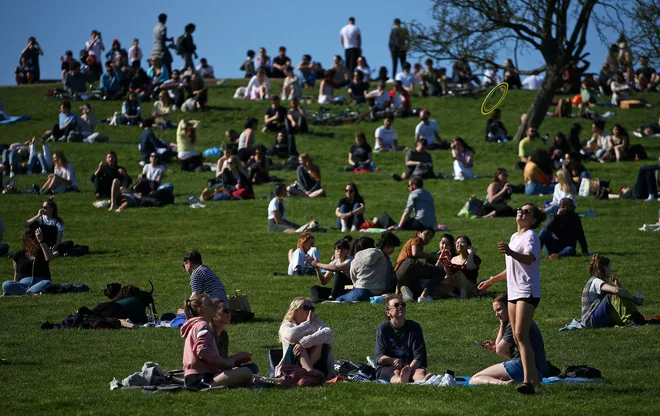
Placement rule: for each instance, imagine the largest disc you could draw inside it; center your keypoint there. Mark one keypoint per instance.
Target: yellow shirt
(160, 108)
(527, 146)
(533, 172)
(183, 143)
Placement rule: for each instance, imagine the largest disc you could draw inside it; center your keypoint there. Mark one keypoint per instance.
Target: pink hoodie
(200, 353)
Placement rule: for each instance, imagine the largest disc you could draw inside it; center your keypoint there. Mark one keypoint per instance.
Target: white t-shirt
(43, 220)
(349, 34)
(381, 99)
(152, 172)
(96, 48)
(559, 194)
(336, 262)
(387, 137)
(272, 207)
(366, 71)
(427, 131)
(205, 72)
(67, 173)
(594, 290)
(533, 82)
(407, 79)
(298, 259)
(397, 101)
(523, 281)
(603, 141)
(490, 77)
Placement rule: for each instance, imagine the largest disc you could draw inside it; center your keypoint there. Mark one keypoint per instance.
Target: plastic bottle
(150, 316)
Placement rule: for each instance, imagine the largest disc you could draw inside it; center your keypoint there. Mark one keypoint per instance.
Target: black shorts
(199, 381)
(531, 300)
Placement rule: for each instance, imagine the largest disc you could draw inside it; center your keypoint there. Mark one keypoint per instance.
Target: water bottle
(150, 316)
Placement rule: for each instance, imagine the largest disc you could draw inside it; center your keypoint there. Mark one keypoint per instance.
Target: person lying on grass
(400, 349)
(202, 363)
(306, 341)
(240, 361)
(505, 346)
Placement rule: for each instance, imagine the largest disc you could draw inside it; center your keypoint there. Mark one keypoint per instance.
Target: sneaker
(331, 301)
(424, 299)
(526, 388)
(650, 198)
(397, 177)
(344, 229)
(406, 294)
(353, 228)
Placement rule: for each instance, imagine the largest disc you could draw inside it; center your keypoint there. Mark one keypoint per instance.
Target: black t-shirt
(280, 111)
(358, 89)
(647, 72)
(536, 339)
(27, 267)
(415, 156)
(281, 60)
(406, 343)
(360, 154)
(345, 201)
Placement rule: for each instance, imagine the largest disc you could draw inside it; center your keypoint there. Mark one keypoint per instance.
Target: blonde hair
(565, 182)
(303, 238)
(296, 304)
(192, 304)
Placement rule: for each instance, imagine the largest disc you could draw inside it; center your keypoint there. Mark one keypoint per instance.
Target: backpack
(582, 371)
(179, 47)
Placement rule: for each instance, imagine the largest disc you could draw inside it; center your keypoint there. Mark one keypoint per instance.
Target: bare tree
(477, 29)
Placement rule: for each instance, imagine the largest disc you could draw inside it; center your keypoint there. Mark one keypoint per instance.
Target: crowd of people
(360, 269)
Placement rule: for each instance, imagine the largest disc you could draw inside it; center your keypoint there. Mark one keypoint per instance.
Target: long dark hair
(30, 244)
(52, 205)
(127, 291)
(464, 144)
(541, 158)
(356, 194)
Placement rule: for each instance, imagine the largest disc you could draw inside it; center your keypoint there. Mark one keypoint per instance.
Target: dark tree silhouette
(477, 29)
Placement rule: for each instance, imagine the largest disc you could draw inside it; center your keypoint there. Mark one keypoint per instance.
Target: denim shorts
(514, 370)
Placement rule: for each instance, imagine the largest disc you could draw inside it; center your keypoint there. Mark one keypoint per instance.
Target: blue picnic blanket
(14, 119)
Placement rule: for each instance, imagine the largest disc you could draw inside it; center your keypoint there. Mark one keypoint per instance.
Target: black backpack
(582, 371)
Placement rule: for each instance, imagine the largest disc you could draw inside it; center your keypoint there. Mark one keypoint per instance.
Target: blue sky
(225, 30)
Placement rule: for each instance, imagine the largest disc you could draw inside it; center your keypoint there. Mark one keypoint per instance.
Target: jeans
(353, 220)
(551, 209)
(535, 188)
(356, 295)
(646, 183)
(553, 245)
(397, 56)
(25, 285)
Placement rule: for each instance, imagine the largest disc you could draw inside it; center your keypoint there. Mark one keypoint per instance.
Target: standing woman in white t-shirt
(522, 274)
(64, 177)
(277, 221)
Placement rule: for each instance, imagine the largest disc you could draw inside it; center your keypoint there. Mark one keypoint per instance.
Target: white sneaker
(406, 294)
(424, 299)
(353, 228)
(344, 229)
(650, 198)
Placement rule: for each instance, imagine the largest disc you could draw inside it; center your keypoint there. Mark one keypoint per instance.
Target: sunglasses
(397, 305)
(523, 211)
(350, 190)
(308, 308)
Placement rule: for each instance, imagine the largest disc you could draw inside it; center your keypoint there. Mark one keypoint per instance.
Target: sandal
(526, 388)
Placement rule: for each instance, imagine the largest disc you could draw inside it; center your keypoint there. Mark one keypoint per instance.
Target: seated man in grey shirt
(421, 205)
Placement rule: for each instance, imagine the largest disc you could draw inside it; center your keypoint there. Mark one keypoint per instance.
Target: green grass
(69, 371)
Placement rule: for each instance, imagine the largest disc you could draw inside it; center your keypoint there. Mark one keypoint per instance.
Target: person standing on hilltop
(160, 37)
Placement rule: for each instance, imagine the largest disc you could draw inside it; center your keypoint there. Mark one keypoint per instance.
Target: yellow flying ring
(490, 110)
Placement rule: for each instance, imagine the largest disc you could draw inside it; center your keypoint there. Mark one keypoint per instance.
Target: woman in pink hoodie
(202, 364)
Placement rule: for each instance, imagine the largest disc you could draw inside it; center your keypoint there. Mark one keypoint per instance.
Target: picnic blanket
(14, 119)
(465, 380)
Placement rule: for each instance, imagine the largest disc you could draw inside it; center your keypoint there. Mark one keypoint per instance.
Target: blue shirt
(65, 118)
(110, 82)
(421, 202)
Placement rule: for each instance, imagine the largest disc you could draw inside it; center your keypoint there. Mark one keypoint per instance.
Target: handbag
(239, 302)
(240, 308)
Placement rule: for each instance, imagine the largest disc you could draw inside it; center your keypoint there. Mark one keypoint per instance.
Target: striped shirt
(203, 280)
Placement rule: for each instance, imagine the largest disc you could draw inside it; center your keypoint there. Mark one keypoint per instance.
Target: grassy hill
(69, 371)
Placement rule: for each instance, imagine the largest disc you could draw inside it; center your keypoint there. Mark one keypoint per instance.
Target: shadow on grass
(221, 108)
(263, 320)
(323, 135)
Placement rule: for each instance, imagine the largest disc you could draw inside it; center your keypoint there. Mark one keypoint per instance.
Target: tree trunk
(537, 112)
